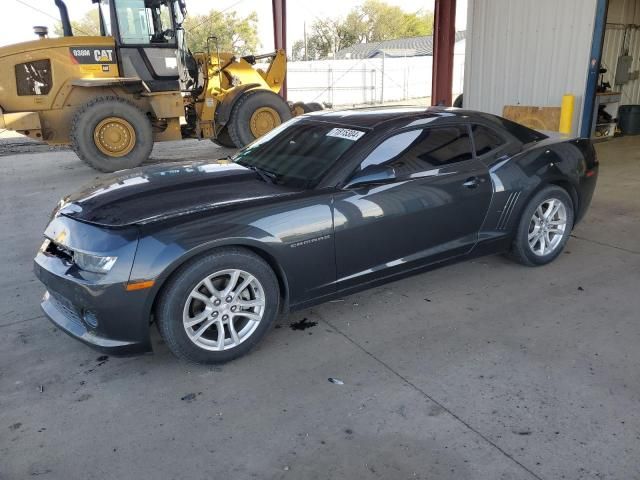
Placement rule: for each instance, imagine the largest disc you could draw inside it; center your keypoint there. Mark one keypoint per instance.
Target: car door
(432, 210)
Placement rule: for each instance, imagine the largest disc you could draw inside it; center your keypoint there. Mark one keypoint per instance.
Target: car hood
(149, 194)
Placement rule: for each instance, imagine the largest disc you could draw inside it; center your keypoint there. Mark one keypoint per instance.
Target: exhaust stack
(64, 18)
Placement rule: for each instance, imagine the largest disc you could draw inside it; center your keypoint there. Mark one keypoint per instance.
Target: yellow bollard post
(566, 114)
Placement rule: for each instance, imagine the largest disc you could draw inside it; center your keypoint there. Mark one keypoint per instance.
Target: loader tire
(110, 133)
(301, 108)
(314, 107)
(223, 139)
(254, 114)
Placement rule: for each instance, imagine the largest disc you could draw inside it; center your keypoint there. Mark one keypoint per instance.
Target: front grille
(65, 307)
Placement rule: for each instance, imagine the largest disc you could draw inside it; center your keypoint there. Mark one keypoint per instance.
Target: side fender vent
(507, 210)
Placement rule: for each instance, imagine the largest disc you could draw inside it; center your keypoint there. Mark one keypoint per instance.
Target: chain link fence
(368, 81)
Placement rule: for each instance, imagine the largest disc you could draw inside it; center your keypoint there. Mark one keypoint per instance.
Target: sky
(19, 24)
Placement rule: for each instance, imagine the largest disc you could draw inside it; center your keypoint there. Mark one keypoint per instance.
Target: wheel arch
(558, 182)
(545, 182)
(571, 190)
(263, 253)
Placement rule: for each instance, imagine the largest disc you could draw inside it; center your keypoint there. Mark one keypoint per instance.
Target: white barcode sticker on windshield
(345, 133)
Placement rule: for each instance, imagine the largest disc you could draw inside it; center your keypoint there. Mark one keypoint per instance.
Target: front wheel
(544, 228)
(256, 113)
(217, 307)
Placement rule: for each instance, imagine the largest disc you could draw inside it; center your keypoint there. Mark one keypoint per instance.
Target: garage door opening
(612, 99)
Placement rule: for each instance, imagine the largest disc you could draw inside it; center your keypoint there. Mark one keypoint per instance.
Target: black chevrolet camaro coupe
(324, 205)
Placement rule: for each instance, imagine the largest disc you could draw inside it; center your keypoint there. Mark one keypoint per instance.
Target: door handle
(472, 182)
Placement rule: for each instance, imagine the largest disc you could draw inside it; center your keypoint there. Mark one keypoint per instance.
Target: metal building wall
(623, 20)
(614, 39)
(524, 52)
(624, 12)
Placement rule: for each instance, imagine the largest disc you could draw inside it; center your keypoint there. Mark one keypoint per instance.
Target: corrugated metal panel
(624, 11)
(614, 46)
(523, 52)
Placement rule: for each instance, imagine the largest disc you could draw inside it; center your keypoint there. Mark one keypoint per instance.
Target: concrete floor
(481, 370)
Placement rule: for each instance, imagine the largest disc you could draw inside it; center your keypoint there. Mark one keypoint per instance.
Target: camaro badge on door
(310, 241)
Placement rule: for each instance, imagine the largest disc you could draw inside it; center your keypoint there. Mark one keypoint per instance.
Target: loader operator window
(144, 22)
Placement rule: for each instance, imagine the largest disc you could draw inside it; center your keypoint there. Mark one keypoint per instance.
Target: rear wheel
(217, 307)
(544, 228)
(256, 113)
(110, 133)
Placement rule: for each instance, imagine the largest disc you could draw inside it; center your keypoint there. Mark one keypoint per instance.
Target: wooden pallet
(539, 118)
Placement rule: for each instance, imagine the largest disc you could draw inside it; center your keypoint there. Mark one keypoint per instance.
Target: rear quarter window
(522, 133)
(486, 139)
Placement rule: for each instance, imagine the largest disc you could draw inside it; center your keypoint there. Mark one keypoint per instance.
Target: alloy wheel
(547, 227)
(223, 310)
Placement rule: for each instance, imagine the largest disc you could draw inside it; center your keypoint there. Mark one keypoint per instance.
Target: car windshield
(299, 152)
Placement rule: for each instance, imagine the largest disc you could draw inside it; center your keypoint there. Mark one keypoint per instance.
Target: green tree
(373, 21)
(89, 24)
(235, 34)
(328, 36)
(297, 50)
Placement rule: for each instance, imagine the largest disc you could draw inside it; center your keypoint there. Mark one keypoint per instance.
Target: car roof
(372, 117)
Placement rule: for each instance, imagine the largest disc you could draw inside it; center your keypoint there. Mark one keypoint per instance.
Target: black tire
(223, 139)
(314, 107)
(169, 312)
(458, 101)
(307, 107)
(239, 121)
(521, 251)
(299, 108)
(84, 125)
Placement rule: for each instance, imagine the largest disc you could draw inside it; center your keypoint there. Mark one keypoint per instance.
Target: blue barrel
(629, 119)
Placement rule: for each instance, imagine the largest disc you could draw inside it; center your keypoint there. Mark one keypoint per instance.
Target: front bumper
(94, 308)
(65, 317)
(119, 324)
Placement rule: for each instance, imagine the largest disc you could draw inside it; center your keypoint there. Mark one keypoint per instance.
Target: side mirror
(372, 175)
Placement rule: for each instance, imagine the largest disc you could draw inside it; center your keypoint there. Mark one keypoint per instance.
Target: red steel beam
(279, 8)
(444, 35)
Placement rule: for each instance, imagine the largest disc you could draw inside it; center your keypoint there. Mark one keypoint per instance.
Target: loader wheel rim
(263, 120)
(114, 137)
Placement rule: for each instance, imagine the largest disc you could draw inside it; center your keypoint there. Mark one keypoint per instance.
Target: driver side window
(141, 24)
(416, 151)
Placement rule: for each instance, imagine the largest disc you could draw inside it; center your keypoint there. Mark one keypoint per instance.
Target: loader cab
(149, 39)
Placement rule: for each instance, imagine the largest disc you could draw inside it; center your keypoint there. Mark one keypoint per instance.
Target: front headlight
(93, 263)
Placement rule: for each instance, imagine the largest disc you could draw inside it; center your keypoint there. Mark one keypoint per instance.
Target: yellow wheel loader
(112, 96)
